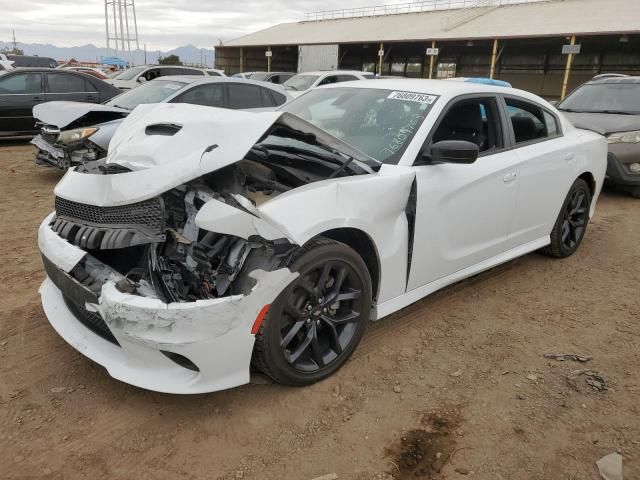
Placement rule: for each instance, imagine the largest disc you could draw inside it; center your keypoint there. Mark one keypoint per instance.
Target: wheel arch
(591, 181)
(364, 246)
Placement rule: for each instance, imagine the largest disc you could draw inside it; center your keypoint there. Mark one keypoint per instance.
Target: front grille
(93, 321)
(147, 214)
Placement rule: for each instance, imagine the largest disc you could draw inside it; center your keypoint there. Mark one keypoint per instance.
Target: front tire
(571, 224)
(316, 323)
(635, 193)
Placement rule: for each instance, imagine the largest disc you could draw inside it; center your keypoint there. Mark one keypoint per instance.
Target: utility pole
(15, 44)
(145, 53)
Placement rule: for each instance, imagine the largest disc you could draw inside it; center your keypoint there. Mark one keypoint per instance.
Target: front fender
(375, 204)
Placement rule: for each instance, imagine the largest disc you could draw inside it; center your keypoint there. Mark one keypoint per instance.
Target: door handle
(570, 157)
(509, 177)
(37, 98)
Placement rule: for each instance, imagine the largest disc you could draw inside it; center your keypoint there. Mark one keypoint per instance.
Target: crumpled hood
(608, 123)
(166, 145)
(63, 114)
(207, 139)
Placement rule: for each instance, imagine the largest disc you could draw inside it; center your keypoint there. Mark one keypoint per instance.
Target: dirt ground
(452, 387)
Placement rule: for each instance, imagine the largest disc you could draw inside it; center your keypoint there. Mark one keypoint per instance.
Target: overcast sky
(162, 24)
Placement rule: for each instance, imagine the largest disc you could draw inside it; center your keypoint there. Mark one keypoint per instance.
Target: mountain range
(189, 54)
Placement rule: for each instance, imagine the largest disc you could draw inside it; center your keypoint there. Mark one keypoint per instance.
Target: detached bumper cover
(215, 335)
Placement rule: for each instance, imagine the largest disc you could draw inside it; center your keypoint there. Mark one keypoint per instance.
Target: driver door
(464, 212)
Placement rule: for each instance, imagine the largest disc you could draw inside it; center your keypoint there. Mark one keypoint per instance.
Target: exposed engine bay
(154, 248)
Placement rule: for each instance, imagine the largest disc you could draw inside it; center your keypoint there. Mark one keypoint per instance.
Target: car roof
(191, 79)
(334, 72)
(615, 80)
(434, 87)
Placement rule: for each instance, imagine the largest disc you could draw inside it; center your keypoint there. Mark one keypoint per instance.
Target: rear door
(19, 93)
(547, 165)
(67, 86)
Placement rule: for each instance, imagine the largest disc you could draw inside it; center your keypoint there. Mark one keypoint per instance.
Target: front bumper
(618, 159)
(215, 335)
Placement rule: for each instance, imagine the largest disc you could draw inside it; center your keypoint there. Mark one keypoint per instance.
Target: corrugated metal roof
(552, 18)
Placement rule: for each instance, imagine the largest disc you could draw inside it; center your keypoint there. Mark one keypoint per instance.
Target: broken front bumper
(195, 347)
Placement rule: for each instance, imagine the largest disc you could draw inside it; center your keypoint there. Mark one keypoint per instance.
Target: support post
(567, 70)
(494, 57)
(432, 60)
(269, 59)
(380, 59)
(241, 60)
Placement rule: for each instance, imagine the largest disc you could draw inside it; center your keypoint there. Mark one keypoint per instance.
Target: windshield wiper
(290, 87)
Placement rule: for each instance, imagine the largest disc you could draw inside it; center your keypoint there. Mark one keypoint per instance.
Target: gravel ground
(455, 386)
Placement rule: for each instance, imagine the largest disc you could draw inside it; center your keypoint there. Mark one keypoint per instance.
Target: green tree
(170, 60)
(12, 51)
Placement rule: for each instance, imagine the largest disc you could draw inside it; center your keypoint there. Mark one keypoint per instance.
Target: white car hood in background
(61, 114)
(209, 139)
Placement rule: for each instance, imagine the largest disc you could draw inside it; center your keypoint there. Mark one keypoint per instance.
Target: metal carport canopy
(541, 19)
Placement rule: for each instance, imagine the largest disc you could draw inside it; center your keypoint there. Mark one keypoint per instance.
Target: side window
(190, 71)
(267, 99)
(21, 83)
(551, 123)
(329, 80)
(527, 120)
(476, 121)
(207, 95)
(244, 96)
(346, 78)
(65, 83)
(279, 98)
(153, 73)
(274, 79)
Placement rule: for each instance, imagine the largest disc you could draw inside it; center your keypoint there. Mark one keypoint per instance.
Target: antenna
(120, 17)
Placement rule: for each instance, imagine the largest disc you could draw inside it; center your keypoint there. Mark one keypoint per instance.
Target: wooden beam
(432, 60)
(567, 70)
(241, 59)
(380, 59)
(269, 59)
(494, 56)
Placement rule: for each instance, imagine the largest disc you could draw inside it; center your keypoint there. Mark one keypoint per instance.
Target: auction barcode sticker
(412, 97)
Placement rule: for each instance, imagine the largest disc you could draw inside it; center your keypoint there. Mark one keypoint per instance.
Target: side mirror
(454, 151)
(141, 79)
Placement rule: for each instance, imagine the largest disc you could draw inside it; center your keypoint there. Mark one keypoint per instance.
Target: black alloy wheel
(571, 224)
(317, 321)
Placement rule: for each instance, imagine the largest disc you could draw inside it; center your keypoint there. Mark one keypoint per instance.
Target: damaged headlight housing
(76, 135)
(624, 137)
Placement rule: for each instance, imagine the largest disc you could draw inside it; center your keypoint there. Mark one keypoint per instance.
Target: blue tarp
(115, 61)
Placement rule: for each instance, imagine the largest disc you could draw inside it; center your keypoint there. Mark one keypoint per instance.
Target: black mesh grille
(91, 320)
(147, 214)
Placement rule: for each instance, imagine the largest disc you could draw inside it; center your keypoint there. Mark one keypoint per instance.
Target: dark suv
(611, 104)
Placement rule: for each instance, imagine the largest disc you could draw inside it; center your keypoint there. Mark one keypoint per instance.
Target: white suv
(302, 82)
(134, 77)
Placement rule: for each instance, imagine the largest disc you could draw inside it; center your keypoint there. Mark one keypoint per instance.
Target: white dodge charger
(212, 240)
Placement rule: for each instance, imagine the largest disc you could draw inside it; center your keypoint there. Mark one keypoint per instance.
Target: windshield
(300, 82)
(152, 92)
(130, 74)
(380, 123)
(604, 98)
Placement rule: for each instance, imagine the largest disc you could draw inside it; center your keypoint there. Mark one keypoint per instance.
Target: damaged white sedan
(211, 240)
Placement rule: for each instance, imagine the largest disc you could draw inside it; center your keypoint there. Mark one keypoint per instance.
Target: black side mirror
(453, 151)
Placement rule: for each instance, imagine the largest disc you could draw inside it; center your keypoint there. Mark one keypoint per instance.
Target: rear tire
(572, 221)
(316, 323)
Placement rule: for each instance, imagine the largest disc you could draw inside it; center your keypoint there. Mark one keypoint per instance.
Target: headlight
(74, 136)
(624, 137)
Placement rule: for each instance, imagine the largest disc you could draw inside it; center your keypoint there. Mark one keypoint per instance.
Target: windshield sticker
(174, 86)
(412, 97)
